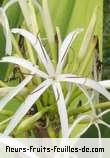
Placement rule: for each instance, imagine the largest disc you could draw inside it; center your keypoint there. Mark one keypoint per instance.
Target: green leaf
(88, 35)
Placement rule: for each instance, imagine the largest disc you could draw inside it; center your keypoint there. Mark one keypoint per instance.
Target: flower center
(54, 77)
(95, 119)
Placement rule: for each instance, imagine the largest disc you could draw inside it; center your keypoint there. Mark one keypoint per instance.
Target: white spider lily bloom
(34, 71)
(93, 119)
(53, 78)
(36, 42)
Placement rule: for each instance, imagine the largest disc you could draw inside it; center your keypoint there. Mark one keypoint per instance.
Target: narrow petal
(6, 30)
(61, 108)
(86, 82)
(85, 129)
(88, 97)
(77, 121)
(104, 112)
(38, 46)
(105, 83)
(26, 64)
(65, 47)
(98, 129)
(26, 105)
(14, 92)
(104, 123)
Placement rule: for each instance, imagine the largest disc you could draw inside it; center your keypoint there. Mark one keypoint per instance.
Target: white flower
(93, 118)
(53, 77)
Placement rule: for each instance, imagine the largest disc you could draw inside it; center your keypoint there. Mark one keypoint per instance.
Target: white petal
(86, 82)
(105, 83)
(98, 129)
(65, 47)
(85, 129)
(77, 121)
(14, 92)
(26, 64)
(104, 112)
(88, 97)
(61, 108)
(6, 30)
(38, 46)
(104, 123)
(26, 105)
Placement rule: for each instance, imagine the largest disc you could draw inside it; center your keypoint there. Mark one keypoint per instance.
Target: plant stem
(30, 121)
(87, 108)
(6, 112)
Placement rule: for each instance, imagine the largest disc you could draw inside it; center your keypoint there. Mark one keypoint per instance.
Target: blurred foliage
(1, 1)
(15, 18)
(106, 66)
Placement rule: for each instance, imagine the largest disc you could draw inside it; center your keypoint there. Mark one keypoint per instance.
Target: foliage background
(69, 15)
